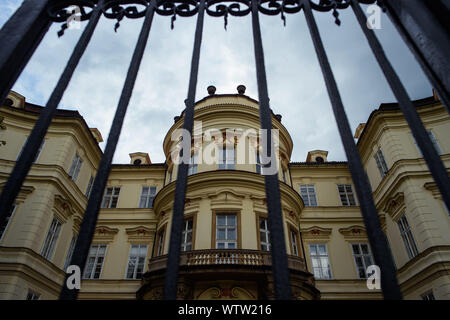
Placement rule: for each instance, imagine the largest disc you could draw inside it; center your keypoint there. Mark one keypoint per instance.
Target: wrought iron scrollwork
(68, 11)
(222, 8)
(328, 5)
(118, 9)
(186, 8)
(274, 7)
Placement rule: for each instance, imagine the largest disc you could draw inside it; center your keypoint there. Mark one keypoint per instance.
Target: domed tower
(225, 239)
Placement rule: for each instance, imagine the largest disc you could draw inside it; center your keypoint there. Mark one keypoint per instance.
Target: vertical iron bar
(19, 38)
(173, 259)
(89, 222)
(421, 29)
(23, 165)
(377, 239)
(280, 271)
(432, 158)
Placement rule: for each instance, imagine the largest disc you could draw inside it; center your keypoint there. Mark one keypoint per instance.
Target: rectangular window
(346, 195)
(147, 196)
(193, 164)
(428, 295)
(264, 234)
(436, 145)
(284, 175)
(70, 252)
(94, 264)
(136, 261)
(308, 194)
(381, 163)
(226, 158)
(37, 154)
(89, 187)
(363, 258)
(319, 261)
(294, 243)
(186, 235)
(31, 295)
(160, 242)
(50, 239)
(407, 236)
(8, 219)
(111, 197)
(75, 167)
(226, 232)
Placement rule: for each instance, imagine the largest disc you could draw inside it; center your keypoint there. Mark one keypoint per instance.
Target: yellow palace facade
(225, 239)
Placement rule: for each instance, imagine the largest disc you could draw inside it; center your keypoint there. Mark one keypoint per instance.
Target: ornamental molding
(316, 233)
(24, 192)
(354, 232)
(63, 208)
(105, 234)
(395, 205)
(433, 188)
(140, 233)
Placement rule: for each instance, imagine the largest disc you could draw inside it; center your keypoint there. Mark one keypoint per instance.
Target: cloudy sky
(296, 86)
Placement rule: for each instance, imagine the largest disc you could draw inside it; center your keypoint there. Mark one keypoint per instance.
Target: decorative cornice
(317, 233)
(433, 188)
(395, 205)
(23, 193)
(140, 233)
(354, 232)
(63, 208)
(105, 234)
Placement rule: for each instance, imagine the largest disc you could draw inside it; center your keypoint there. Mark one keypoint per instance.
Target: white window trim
(224, 162)
(346, 195)
(409, 247)
(362, 257)
(149, 195)
(267, 232)
(75, 167)
(328, 257)
(108, 206)
(90, 186)
(136, 266)
(226, 242)
(50, 250)
(96, 258)
(308, 194)
(380, 161)
(184, 233)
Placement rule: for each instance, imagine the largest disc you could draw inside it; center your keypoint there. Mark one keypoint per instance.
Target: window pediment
(105, 234)
(24, 192)
(139, 233)
(316, 232)
(354, 232)
(63, 208)
(395, 205)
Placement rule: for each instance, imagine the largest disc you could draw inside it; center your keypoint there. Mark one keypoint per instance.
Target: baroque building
(225, 239)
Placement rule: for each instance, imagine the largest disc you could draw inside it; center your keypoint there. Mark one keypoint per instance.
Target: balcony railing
(220, 257)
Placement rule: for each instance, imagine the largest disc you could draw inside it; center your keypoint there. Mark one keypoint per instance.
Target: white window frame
(8, 221)
(193, 164)
(294, 244)
(107, 200)
(48, 248)
(381, 162)
(146, 199)
(160, 250)
(75, 167)
(138, 260)
(363, 257)
(266, 232)
(346, 193)
(319, 257)
(407, 236)
(227, 228)
(310, 194)
(258, 163)
(96, 257)
(89, 186)
(229, 162)
(69, 255)
(184, 234)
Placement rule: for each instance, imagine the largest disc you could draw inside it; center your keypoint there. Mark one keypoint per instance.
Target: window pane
(221, 220)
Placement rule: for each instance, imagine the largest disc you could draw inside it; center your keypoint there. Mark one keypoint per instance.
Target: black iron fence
(422, 24)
